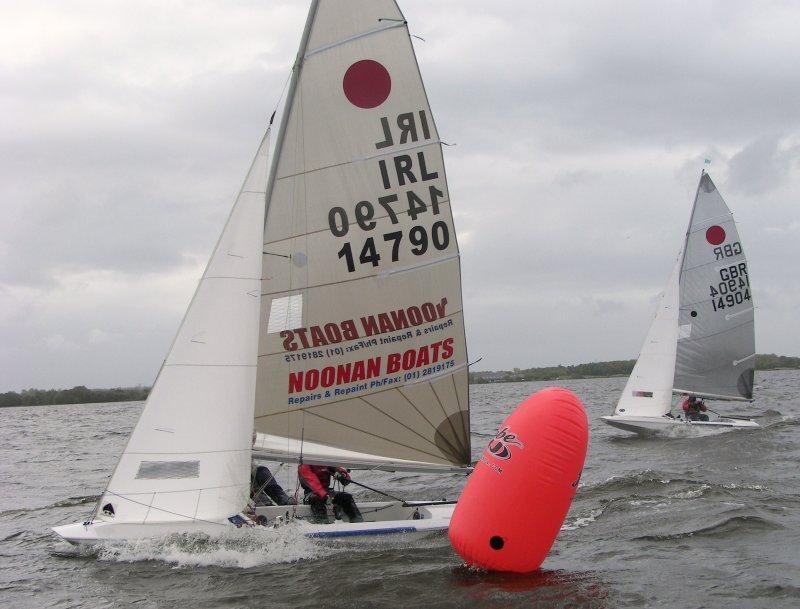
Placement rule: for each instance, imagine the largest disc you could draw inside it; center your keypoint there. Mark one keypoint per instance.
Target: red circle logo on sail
(715, 235)
(367, 84)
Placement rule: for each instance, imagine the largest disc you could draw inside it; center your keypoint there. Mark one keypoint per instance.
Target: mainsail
(189, 454)
(716, 340)
(648, 391)
(362, 350)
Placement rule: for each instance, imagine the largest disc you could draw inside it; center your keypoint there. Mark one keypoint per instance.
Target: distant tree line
(84, 395)
(76, 395)
(769, 361)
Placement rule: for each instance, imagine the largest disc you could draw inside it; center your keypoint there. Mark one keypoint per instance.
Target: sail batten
(275, 448)
(323, 230)
(353, 38)
(308, 171)
(711, 396)
(381, 437)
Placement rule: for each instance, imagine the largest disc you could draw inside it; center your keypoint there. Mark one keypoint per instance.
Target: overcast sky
(580, 132)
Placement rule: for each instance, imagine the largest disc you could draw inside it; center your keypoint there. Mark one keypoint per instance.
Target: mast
(287, 107)
(689, 227)
(680, 270)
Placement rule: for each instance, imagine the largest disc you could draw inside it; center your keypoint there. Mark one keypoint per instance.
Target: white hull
(649, 425)
(380, 518)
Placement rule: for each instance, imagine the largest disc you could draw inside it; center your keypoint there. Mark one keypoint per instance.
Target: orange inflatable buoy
(514, 503)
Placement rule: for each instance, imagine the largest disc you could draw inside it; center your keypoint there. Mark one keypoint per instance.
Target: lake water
(710, 521)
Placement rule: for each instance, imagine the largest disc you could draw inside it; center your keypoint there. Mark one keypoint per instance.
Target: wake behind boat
(701, 343)
(329, 319)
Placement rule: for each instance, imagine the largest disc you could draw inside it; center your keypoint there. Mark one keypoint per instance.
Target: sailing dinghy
(329, 319)
(701, 342)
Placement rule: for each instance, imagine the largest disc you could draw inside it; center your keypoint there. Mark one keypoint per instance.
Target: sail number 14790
(419, 238)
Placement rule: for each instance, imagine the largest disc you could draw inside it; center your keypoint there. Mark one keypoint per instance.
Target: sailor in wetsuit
(693, 409)
(316, 482)
(265, 488)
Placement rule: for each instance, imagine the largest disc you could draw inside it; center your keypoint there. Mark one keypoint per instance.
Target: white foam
(239, 548)
(691, 494)
(638, 502)
(748, 487)
(581, 521)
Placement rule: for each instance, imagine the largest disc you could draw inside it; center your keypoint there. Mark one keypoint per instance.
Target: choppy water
(707, 521)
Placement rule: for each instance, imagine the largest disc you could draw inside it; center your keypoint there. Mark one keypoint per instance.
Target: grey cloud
(619, 75)
(762, 165)
(582, 130)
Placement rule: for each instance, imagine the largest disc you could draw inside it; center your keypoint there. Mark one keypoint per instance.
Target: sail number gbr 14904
(733, 289)
(419, 240)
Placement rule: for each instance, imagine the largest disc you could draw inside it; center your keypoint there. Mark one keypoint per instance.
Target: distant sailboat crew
(701, 343)
(329, 319)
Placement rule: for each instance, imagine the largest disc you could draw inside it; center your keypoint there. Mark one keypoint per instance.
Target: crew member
(693, 408)
(265, 488)
(316, 482)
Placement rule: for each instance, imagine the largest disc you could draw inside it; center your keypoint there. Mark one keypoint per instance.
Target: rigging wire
(374, 490)
(257, 492)
(297, 484)
(280, 97)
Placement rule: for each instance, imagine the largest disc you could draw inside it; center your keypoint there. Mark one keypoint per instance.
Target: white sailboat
(701, 342)
(329, 319)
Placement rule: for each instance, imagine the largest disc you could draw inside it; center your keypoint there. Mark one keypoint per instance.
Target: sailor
(316, 481)
(693, 408)
(265, 488)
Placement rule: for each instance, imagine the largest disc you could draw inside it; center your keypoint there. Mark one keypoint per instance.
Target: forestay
(648, 391)
(716, 341)
(362, 345)
(189, 455)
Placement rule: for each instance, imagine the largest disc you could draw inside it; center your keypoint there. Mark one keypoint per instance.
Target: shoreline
(475, 379)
